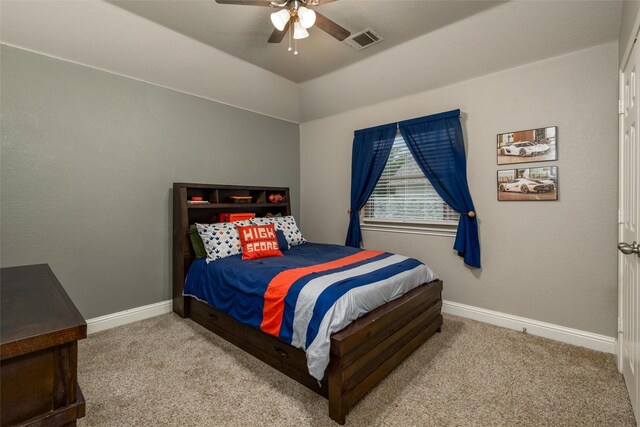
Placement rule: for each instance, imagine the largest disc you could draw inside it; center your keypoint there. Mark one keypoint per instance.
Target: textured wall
(549, 261)
(630, 11)
(104, 36)
(87, 163)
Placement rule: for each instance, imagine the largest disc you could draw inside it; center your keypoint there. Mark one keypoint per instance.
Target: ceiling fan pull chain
(295, 46)
(290, 37)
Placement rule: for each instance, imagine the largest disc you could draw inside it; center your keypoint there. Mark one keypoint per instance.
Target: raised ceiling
(500, 36)
(242, 31)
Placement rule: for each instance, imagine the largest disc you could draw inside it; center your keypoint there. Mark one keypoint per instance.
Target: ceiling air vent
(364, 38)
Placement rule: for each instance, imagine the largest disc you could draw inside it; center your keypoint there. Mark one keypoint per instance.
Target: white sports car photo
(523, 149)
(524, 185)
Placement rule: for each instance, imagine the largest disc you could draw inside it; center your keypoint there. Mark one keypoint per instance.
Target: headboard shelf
(240, 206)
(217, 199)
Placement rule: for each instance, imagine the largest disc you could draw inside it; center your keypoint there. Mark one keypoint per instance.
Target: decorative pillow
(286, 224)
(196, 242)
(259, 241)
(282, 241)
(221, 239)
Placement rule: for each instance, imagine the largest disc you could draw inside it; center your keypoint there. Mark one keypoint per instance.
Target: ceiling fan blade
(319, 2)
(330, 27)
(277, 36)
(265, 3)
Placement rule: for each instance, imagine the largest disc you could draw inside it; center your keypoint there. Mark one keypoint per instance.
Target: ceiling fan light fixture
(307, 17)
(279, 19)
(299, 32)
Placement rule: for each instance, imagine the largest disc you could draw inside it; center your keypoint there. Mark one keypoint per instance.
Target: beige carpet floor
(168, 371)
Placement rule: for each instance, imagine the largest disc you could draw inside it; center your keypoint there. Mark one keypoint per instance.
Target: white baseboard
(109, 321)
(534, 327)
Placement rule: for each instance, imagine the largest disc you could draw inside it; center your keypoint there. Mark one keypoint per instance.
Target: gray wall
(550, 261)
(87, 163)
(630, 10)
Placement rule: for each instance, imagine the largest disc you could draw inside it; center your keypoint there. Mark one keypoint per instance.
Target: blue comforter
(311, 292)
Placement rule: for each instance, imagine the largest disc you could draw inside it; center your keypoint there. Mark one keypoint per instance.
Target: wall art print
(533, 145)
(539, 183)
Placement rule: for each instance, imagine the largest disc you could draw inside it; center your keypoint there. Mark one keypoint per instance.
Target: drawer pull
(213, 317)
(281, 353)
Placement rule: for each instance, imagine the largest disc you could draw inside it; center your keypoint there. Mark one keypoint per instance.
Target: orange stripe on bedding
(279, 287)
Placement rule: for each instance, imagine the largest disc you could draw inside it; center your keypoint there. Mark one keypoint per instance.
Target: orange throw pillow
(258, 241)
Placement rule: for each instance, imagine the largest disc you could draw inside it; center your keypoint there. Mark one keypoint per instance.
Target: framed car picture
(524, 146)
(528, 184)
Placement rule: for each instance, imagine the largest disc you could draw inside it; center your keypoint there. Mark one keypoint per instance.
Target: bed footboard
(364, 353)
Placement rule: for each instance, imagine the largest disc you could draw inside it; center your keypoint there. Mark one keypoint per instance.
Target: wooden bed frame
(362, 354)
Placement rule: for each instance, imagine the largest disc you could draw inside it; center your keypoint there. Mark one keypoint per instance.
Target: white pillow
(221, 240)
(286, 224)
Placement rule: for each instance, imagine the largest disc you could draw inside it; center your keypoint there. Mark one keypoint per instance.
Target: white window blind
(404, 194)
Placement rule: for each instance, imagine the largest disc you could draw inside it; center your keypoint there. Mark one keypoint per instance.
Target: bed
(358, 356)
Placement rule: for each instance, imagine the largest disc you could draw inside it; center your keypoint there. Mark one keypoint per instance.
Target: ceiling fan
(296, 13)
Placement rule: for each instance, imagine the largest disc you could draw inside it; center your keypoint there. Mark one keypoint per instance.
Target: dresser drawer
(27, 386)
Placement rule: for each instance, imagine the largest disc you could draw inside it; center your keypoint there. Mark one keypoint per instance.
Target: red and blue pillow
(258, 241)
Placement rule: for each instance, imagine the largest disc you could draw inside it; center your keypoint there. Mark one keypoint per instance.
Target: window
(405, 197)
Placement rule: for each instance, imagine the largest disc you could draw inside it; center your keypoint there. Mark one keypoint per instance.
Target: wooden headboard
(217, 198)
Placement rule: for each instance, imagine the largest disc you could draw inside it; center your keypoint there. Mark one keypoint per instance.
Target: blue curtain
(371, 148)
(437, 145)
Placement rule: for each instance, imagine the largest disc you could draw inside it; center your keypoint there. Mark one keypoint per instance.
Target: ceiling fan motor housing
(299, 16)
(294, 4)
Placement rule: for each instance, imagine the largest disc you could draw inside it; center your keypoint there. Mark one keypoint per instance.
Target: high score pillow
(258, 241)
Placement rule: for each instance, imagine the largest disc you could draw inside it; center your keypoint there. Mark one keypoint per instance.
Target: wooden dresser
(39, 333)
